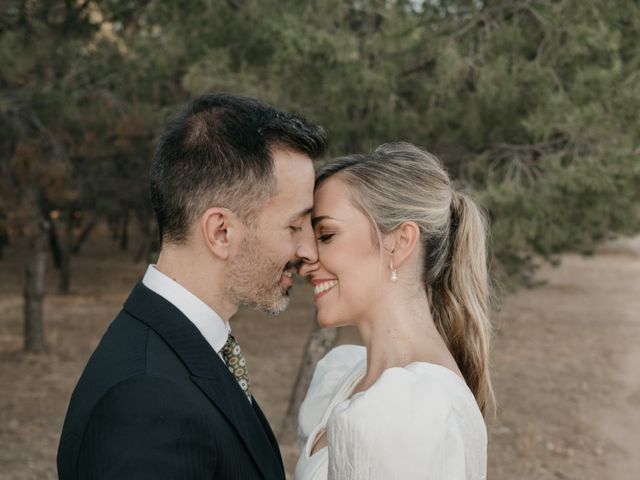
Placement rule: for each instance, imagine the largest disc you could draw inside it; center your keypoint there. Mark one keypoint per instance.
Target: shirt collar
(213, 328)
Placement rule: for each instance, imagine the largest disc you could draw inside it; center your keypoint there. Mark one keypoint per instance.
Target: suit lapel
(268, 431)
(244, 419)
(208, 371)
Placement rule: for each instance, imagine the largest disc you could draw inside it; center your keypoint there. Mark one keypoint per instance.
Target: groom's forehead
(289, 206)
(301, 214)
(295, 176)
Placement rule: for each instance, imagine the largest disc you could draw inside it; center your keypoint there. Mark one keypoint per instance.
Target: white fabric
(212, 327)
(418, 422)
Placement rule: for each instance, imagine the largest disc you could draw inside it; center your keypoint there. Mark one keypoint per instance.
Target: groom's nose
(307, 249)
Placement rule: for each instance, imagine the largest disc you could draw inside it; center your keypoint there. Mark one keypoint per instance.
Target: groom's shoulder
(120, 354)
(123, 380)
(130, 348)
(122, 348)
(129, 354)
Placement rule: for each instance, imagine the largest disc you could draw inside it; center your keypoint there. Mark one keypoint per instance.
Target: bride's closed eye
(325, 238)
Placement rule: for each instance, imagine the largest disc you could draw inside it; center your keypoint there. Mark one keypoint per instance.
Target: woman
(402, 258)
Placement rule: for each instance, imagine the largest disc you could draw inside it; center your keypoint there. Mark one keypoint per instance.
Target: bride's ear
(402, 242)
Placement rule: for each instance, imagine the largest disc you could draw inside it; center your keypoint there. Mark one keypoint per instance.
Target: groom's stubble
(254, 278)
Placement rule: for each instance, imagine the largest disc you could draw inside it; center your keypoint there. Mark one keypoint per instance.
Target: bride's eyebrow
(315, 220)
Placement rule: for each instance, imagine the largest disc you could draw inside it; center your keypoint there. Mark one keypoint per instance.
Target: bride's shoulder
(423, 413)
(330, 373)
(419, 394)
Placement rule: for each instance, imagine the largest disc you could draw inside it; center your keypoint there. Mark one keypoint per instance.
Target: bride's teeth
(325, 286)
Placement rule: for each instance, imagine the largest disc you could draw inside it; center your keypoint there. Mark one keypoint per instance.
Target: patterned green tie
(232, 355)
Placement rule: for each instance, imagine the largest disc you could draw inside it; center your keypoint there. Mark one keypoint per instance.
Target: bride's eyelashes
(325, 238)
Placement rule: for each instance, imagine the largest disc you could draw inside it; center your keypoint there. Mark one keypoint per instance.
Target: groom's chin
(277, 307)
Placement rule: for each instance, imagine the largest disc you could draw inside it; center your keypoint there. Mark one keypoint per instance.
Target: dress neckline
(438, 366)
(345, 393)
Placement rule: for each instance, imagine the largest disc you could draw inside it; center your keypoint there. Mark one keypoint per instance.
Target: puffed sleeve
(329, 374)
(404, 426)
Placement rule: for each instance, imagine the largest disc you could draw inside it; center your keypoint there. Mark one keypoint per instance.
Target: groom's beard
(255, 280)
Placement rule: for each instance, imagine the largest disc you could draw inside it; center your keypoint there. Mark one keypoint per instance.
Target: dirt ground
(565, 361)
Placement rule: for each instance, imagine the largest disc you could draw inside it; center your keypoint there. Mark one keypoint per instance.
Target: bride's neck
(397, 334)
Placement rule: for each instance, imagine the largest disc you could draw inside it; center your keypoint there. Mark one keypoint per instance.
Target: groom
(166, 394)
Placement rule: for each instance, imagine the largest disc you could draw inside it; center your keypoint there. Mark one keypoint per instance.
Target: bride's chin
(328, 322)
(323, 322)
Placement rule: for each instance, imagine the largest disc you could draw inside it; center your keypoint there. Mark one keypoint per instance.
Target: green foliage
(531, 105)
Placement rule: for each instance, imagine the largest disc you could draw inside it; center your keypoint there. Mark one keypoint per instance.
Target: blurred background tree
(531, 104)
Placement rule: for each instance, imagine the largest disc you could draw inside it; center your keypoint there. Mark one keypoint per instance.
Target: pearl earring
(394, 274)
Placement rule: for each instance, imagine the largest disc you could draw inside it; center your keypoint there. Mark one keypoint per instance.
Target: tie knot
(231, 347)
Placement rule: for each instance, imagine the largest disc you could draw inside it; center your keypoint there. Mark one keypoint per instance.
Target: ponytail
(457, 283)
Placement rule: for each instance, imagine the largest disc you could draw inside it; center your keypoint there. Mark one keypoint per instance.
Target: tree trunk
(64, 284)
(319, 343)
(144, 249)
(54, 243)
(4, 241)
(4, 235)
(84, 234)
(148, 242)
(113, 221)
(124, 234)
(34, 338)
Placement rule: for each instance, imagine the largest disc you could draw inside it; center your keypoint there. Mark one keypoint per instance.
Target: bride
(402, 258)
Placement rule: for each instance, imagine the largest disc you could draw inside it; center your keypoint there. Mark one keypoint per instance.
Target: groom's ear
(220, 229)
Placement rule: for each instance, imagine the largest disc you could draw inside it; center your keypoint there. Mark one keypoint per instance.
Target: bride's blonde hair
(400, 182)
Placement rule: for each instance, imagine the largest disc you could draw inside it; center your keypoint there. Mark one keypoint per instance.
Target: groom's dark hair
(218, 152)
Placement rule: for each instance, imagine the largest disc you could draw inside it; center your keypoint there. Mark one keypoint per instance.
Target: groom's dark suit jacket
(156, 402)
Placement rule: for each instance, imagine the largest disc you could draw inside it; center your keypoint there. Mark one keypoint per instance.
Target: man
(166, 393)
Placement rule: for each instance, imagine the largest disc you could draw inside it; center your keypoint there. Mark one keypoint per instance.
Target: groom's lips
(286, 281)
(290, 268)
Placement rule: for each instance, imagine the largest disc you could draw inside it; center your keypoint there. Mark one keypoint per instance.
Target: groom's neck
(200, 274)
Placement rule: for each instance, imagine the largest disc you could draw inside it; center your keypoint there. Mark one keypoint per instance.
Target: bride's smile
(321, 287)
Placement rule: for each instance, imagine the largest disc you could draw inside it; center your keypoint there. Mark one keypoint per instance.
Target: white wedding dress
(418, 422)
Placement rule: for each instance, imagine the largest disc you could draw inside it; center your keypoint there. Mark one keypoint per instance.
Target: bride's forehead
(339, 207)
(333, 190)
(339, 212)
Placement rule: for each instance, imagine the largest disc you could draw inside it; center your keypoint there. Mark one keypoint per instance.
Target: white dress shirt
(213, 328)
